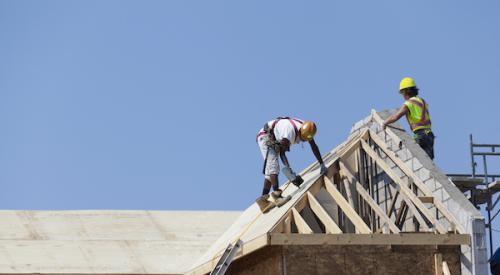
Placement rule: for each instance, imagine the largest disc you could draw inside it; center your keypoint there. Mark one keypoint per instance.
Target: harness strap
(424, 119)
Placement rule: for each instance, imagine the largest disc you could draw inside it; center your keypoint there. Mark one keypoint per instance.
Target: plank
(346, 208)
(287, 224)
(426, 199)
(330, 225)
(418, 182)
(302, 226)
(438, 264)
(404, 189)
(393, 204)
(348, 192)
(369, 199)
(446, 269)
(370, 239)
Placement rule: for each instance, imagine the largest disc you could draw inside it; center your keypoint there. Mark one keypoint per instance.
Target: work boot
(276, 194)
(263, 203)
(281, 201)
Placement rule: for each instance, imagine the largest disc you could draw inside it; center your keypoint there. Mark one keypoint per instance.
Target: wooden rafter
(408, 194)
(358, 222)
(328, 222)
(417, 181)
(369, 199)
(301, 224)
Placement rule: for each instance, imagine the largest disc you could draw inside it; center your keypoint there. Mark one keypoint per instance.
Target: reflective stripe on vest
(424, 122)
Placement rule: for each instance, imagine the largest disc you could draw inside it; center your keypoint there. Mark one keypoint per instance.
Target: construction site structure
(481, 189)
(383, 208)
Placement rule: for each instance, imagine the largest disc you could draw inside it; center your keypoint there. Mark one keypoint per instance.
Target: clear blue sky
(155, 104)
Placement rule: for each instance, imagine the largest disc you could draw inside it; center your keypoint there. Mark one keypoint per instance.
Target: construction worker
(275, 139)
(416, 111)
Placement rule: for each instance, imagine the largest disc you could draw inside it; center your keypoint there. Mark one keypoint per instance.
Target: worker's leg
(272, 165)
(426, 141)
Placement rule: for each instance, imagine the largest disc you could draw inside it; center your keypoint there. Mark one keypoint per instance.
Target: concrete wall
(334, 259)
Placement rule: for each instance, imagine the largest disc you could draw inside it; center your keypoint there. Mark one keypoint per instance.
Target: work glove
(323, 170)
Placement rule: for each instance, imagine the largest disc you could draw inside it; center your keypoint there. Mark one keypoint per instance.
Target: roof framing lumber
(362, 192)
(301, 224)
(320, 212)
(346, 207)
(417, 181)
(370, 239)
(404, 189)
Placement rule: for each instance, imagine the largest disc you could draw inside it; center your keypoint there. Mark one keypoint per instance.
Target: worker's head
(307, 130)
(408, 88)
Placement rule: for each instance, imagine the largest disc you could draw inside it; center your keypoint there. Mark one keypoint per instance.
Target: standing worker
(416, 111)
(274, 140)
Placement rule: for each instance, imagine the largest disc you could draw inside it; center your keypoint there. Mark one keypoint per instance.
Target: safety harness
(272, 142)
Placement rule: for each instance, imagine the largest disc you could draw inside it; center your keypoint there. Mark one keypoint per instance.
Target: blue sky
(155, 104)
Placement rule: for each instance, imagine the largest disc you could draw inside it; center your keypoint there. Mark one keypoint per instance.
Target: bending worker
(416, 111)
(274, 140)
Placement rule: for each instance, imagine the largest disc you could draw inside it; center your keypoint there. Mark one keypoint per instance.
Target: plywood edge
(370, 239)
(247, 248)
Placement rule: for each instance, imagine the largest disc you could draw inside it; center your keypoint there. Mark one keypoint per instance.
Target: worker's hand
(384, 125)
(323, 170)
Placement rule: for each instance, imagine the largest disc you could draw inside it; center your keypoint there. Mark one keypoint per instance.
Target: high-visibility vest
(418, 116)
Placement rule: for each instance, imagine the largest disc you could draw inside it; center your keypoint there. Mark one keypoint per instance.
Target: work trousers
(425, 138)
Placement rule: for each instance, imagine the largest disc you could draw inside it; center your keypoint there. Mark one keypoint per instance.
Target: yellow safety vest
(418, 116)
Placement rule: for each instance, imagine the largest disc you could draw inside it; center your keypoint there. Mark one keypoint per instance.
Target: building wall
(352, 259)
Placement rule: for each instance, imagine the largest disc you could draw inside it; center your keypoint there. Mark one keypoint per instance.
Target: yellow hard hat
(407, 82)
(307, 130)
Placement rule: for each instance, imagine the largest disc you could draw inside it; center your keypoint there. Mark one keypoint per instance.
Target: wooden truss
(369, 189)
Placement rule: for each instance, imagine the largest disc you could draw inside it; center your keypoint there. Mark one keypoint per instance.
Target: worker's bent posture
(275, 140)
(416, 111)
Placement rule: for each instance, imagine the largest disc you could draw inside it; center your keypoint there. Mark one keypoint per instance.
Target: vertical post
(473, 165)
(438, 263)
(488, 205)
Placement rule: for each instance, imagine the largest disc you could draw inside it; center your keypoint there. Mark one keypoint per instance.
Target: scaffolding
(481, 189)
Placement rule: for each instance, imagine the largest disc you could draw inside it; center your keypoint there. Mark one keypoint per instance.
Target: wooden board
(346, 208)
(301, 224)
(370, 239)
(369, 199)
(418, 182)
(328, 222)
(404, 189)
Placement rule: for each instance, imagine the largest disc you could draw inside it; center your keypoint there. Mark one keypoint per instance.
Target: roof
(119, 242)
(433, 203)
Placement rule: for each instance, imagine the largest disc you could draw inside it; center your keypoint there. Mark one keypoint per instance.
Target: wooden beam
(369, 199)
(287, 224)
(348, 193)
(302, 226)
(438, 264)
(446, 269)
(426, 199)
(346, 208)
(370, 239)
(393, 204)
(404, 189)
(330, 225)
(418, 182)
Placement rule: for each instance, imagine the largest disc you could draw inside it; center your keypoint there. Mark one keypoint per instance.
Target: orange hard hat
(307, 130)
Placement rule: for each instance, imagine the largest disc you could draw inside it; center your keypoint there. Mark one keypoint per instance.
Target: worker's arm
(315, 150)
(317, 154)
(284, 147)
(395, 117)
